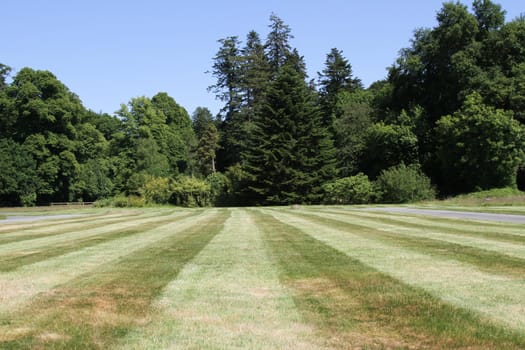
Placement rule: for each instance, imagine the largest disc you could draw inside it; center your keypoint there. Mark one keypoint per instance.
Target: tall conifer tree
(290, 154)
(335, 78)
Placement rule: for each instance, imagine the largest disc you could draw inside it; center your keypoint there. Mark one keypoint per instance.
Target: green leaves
(404, 184)
(480, 147)
(290, 153)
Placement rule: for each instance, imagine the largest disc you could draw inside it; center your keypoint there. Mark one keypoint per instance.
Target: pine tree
(289, 154)
(207, 148)
(227, 69)
(255, 74)
(278, 43)
(334, 79)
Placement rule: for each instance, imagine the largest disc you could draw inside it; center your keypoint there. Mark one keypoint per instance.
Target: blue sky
(108, 51)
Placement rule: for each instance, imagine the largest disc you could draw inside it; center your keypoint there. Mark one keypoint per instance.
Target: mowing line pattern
(21, 285)
(63, 225)
(93, 310)
(497, 297)
(499, 231)
(261, 278)
(21, 257)
(71, 235)
(356, 306)
(228, 296)
(92, 222)
(429, 243)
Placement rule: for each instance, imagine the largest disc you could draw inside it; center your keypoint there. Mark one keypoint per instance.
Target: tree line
(448, 118)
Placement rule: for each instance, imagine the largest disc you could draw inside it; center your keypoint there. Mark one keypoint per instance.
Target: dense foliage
(450, 112)
(401, 184)
(357, 189)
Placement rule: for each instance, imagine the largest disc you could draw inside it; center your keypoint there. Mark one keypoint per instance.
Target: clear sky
(108, 51)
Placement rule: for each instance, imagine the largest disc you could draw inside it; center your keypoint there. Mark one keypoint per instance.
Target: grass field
(260, 278)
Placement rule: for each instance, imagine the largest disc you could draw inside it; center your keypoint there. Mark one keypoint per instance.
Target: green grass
(356, 304)
(9, 262)
(92, 311)
(261, 278)
(503, 200)
(427, 243)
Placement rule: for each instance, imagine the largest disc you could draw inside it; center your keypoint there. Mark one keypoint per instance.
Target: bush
(220, 186)
(129, 201)
(103, 202)
(356, 189)
(402, 184)
(156, 190)
(28, 199)
(191, 192)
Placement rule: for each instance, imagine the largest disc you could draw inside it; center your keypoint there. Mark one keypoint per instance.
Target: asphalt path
(510, 218)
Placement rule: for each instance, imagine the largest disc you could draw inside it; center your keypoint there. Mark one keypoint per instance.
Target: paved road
(510, 218)
(27, 218)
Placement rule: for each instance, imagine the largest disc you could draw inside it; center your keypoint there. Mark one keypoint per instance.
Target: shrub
(28, 199)
(356, 189)
(129, 201)
(103, 202)
(402, 184)
(191, 192)
(156, 190)
(220, 186)
(136, 201)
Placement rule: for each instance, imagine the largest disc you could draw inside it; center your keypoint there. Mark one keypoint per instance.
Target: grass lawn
(261, 278)
(500, 200)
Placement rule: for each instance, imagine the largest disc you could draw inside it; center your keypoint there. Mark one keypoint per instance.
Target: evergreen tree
(277, 44)
(4, 72)
(207, 149)
(255, 75)
(227, 69)
(290, 154)
(335, 78)
(201, 117)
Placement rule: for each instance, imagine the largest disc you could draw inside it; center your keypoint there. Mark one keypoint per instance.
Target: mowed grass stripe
(92, 311)
(228, 297)
(495, 296)
(357, 306)
(80, 233)
(50, 224)
(490, 261)
(64, 227)
(514, 249)
(498, 231)
(19, 286)
(12, 261)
